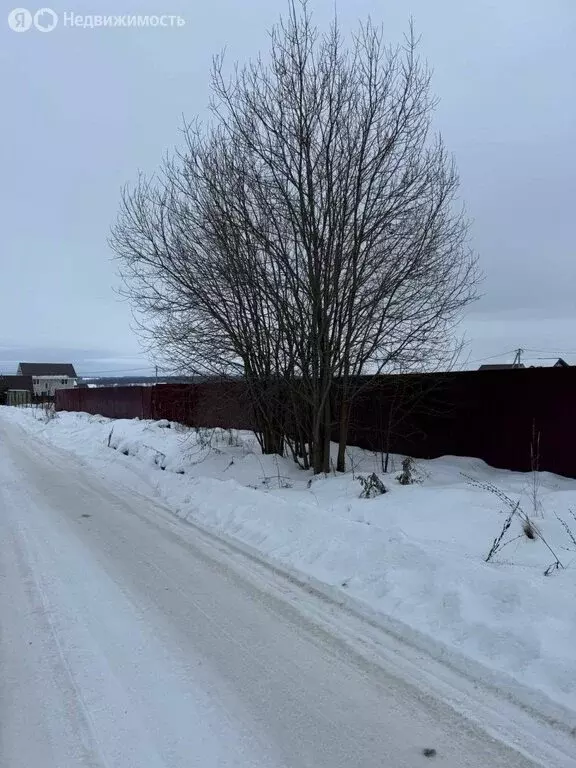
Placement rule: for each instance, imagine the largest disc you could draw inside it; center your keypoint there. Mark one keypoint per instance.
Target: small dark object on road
(429, 752)
(85, 515)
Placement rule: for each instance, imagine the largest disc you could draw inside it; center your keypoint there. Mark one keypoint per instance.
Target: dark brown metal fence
(115, 402)
(486, 414)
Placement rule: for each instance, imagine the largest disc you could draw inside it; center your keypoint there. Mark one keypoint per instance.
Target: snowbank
(414, 555)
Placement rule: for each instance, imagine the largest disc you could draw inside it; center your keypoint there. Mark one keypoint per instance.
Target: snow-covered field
(412, 559)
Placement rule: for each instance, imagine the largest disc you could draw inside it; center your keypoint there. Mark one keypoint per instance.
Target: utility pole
(518, 358)
(156, 368)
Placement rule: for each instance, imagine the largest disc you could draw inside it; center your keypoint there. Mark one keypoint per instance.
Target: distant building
(558, 363)
(48, 377)
(15, 390)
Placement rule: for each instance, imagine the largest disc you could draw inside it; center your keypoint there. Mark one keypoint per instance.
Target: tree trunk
(386, 462)
(273, 441)
(343, 434)
(320, 459)
(317, 444)
(327, 435)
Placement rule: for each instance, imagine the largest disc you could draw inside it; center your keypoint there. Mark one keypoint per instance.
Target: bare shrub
(407, 476)
(529, 528)
(535, 477)
(497, 544)
(372, 486)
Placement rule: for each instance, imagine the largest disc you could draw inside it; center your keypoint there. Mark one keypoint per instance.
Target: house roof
(16, 382)
(500, 366)
(47, 369)
(549, 362)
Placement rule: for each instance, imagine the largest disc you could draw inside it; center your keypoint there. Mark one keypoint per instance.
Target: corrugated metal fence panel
(223, 404)
(67, 400)
(490, 415)
(486, 414)
(214, 404)
(113, 402)
(175, 402)
(146, 394)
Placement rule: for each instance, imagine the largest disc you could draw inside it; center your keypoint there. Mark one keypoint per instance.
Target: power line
(121, 371)
(153, 371)
(554, 352)
(550, 354)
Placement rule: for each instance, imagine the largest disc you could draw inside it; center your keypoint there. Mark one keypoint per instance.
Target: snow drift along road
(129, 641)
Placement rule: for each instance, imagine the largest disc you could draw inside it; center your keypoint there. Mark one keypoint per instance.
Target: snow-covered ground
(131, 639)
(413, 559)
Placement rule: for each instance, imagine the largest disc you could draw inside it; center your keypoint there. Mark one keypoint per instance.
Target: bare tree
(193, 275)
(309, 235)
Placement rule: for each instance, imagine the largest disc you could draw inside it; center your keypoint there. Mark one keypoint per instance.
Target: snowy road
(130, 640)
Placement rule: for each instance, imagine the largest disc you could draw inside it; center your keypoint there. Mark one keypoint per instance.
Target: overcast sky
(84, 109)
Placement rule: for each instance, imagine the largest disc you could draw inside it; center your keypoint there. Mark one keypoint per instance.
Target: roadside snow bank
(414, 555)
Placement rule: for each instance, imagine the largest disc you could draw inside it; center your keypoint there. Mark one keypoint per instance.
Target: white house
(48, 377)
